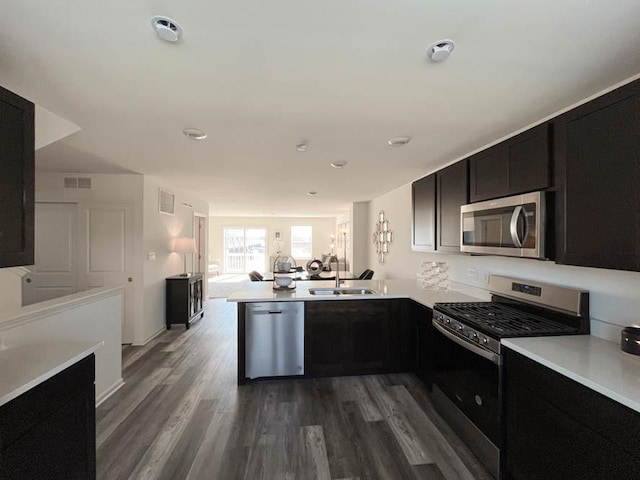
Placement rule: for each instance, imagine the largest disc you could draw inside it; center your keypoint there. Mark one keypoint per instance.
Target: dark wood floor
(180, 415)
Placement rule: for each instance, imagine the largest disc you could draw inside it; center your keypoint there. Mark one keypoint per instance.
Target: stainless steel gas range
(467, 362)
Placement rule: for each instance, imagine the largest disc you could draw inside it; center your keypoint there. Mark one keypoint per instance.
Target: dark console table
(184, 299)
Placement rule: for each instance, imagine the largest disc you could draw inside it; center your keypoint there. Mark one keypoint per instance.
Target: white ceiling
(260, 76)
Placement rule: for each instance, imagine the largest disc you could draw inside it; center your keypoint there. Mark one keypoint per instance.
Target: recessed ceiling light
(302, 147)
(167, 29)
(440, 51)
(312, 193)
(339, 164)
(194, 134)
(399, 141)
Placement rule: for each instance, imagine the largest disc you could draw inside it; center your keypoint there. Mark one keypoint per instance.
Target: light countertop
(263, 292)
(596, 363)
(25, 366)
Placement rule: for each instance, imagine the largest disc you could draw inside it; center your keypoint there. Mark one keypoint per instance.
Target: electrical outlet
(472, 273)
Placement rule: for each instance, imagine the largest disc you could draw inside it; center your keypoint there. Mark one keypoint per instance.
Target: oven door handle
(493, 357)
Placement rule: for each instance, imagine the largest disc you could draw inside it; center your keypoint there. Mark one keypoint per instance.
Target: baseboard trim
(154, 335)
(109, 391)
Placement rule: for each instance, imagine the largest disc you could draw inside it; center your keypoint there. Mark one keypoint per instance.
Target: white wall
(614, 295)
(105, 189)
(361, 237)
(93, 317)
(159, 231)
(322, 228)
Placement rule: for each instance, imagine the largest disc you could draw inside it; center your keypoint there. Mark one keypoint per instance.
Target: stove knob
(447, 321)
(484, 340)
(473, 336)
(459, 328)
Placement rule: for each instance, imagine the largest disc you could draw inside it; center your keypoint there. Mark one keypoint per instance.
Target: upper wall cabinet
(17, 180)
(452, 188)
(423, 200)
(597, 151)
(436, 202)
(517, 165)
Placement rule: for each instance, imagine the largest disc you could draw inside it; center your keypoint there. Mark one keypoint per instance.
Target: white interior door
(106, 234)
(55, 270)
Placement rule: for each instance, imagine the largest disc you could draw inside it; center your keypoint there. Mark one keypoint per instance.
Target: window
(244, 249)
(301, 245)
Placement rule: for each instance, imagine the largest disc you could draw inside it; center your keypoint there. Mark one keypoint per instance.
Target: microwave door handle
(514, 226)
(494, 358)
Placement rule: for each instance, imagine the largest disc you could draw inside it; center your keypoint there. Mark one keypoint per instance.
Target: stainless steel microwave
(511, 226)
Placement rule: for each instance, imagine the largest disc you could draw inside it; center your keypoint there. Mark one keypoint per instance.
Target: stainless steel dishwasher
(274, 339)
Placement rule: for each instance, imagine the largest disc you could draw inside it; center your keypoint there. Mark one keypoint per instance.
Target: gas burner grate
(502, 320)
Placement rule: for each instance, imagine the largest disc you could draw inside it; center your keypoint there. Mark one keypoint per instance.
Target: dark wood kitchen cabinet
(558, 429)
(452, 191)
(357, 337)
(184, 301)
(517, 165)
(49, 432)
(597, 151)
(423, 202)
(436, 202)
(424, 362)
(17, 182)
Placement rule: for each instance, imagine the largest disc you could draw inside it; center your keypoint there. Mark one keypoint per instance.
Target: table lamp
(185, 245)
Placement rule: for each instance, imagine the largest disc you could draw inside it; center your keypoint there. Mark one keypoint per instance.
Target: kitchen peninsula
(342, 333)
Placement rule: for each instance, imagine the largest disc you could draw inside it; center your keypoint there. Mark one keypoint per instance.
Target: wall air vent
(166, 202)
(84, 182)
(77, 182)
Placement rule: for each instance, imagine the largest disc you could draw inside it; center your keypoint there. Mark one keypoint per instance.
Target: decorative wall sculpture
(382, 237)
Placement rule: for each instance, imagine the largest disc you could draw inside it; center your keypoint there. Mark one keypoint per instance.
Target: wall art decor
(382, 237)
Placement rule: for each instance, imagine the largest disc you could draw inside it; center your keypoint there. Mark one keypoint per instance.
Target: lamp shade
(184, 245)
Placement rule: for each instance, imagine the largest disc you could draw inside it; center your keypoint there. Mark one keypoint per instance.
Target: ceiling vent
(77, 182)
(167, 29)
(166, 202)
(440, 51)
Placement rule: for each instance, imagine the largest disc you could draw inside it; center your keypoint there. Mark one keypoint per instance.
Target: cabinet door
(17, 180)
(368, 340)
(423, 197)
(489, 173)
(528, 161)
(424, 361)
(559, 429)
(326, 335)
(598, 211)
(402, 334)
(452, 192)
(49, 431)
(517, 165)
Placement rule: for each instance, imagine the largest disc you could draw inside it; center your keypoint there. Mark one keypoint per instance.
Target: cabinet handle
(129, 279)
(28, 280)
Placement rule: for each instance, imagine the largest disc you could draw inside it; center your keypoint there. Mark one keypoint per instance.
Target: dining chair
(255, 276)
(366, 275)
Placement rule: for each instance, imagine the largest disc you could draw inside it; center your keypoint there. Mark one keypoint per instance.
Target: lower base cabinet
(355, 337)
(49, 433)
(559, 429)
(424, 362)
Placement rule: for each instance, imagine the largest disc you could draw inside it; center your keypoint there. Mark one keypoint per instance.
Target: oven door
(512, 226)
(466, 393)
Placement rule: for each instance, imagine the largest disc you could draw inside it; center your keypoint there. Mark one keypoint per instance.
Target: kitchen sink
(342, 291)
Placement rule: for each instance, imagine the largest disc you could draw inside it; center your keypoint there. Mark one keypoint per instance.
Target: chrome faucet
(330, 259)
